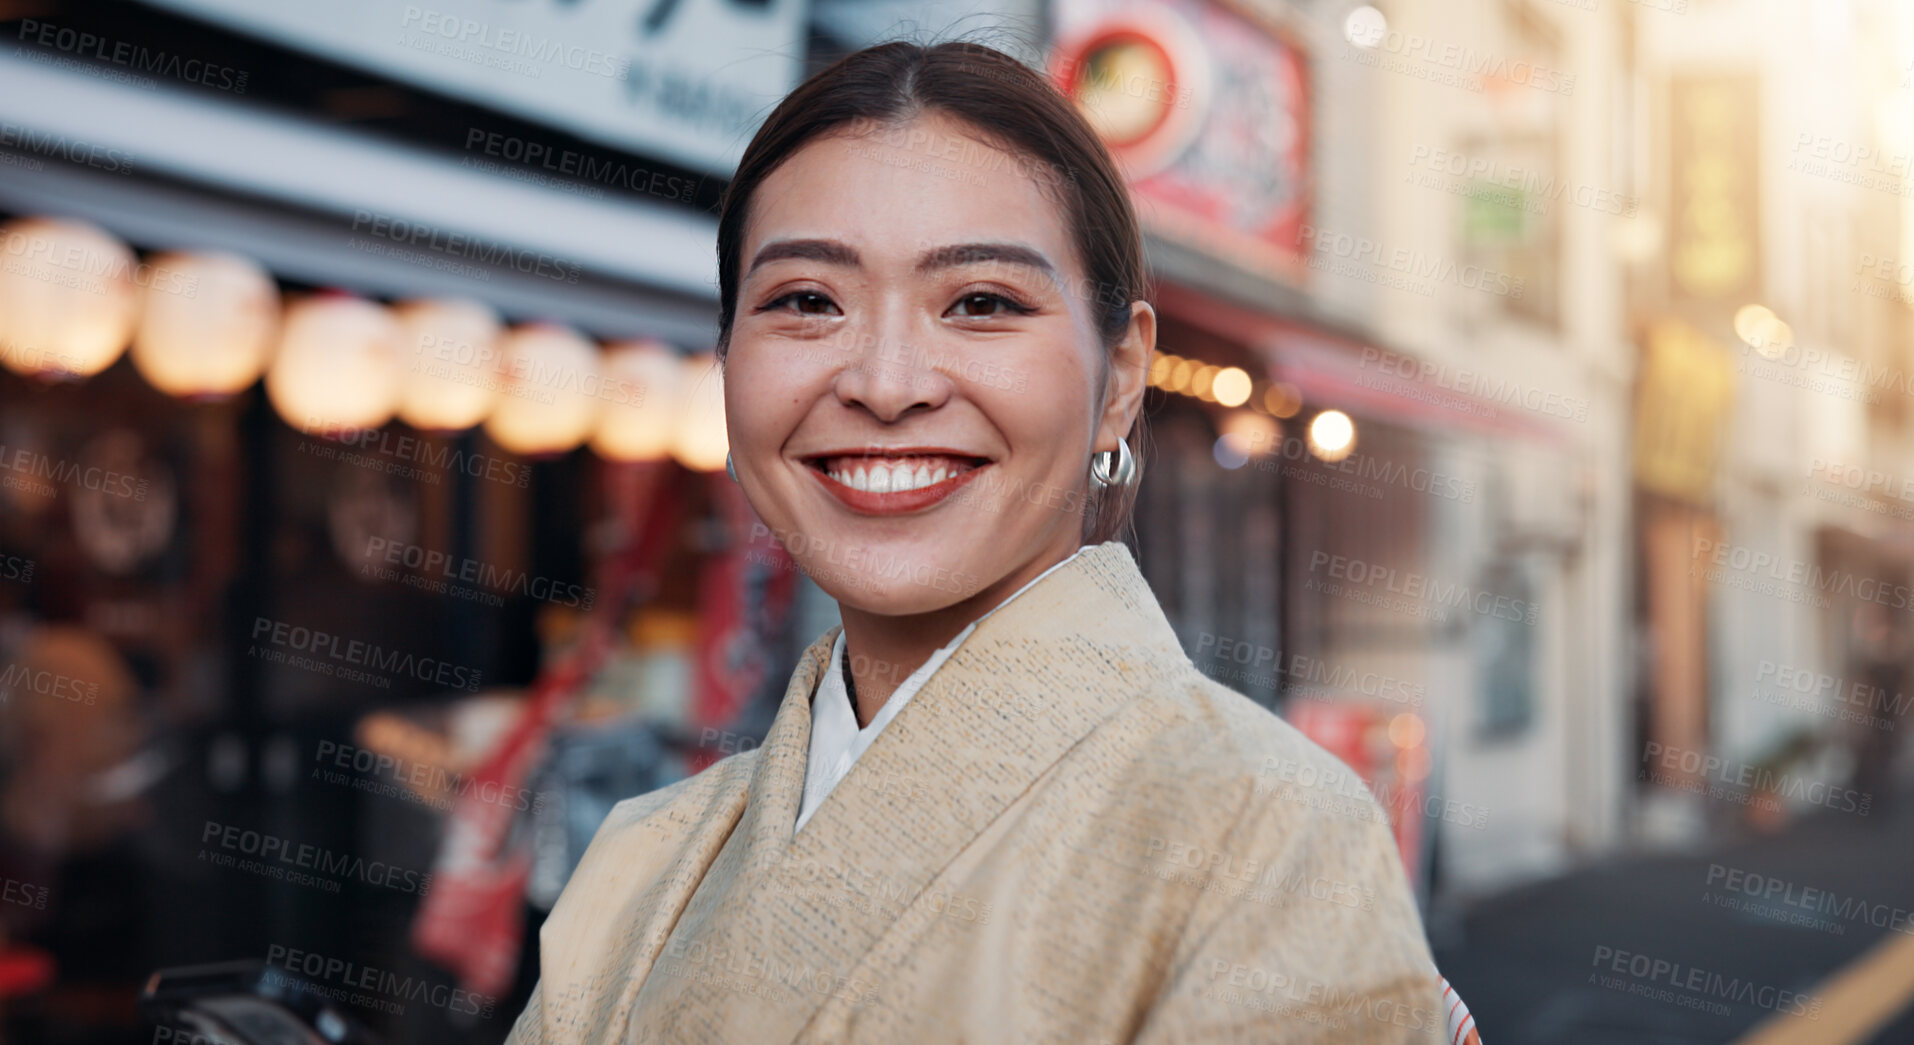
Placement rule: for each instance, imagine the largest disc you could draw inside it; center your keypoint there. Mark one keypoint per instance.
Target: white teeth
(895, 476)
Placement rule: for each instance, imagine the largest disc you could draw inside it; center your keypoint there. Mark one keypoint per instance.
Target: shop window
(1505, 639)
(1509, 206)
(1510, 229)
(1209, 543)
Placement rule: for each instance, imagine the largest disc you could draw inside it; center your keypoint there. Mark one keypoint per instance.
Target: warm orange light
(1407, 730)
(1283, 400)
(1251, 434)
(1201, 380)
(454, 369)
(1231, 387)
(550, 403)
(1180, 376)
(215, 342)
(1762, 330)
(702, 440)
(68, 298)
(337, 365)
(641, 420)
(1332, 435)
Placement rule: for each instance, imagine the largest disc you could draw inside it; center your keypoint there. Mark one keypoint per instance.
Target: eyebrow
(831, 252)
(973, 253)
(828, 251)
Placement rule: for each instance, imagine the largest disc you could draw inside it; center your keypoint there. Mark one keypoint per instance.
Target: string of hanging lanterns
(205, 325)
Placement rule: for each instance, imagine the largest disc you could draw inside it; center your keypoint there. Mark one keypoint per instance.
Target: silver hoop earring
(730, 469)
(1125, 465)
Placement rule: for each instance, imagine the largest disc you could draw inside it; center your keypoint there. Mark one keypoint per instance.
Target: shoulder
(1297, 862)
(1221, 739)
(1248, 788)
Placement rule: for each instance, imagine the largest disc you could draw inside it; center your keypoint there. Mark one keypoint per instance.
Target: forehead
(895, 190)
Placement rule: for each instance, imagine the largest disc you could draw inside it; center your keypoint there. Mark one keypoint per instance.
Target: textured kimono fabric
(1069, 835)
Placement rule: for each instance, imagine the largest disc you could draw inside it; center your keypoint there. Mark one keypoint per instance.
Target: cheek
(1043, 406)
(765, 397)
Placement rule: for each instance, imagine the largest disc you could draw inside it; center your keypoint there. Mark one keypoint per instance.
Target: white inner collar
(836, 740)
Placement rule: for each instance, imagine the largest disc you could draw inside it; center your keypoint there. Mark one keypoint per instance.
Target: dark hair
(1007, 103)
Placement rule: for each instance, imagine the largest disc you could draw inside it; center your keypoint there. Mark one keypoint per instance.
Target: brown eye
(983, 304)
(809, 303)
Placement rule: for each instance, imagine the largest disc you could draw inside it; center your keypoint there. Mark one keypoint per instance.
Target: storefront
(1332, 544)
(1336, 527)
(360, 438)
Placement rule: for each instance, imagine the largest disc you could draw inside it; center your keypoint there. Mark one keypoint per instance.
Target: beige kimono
(1069, 835)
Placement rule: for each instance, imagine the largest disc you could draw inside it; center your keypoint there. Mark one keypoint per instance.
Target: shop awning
(289, 192)
(1332, 369)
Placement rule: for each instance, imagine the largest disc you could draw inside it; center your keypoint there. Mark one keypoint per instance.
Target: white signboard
(681, 80)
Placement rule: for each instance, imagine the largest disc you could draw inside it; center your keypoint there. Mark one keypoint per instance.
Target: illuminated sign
(1206, 109)
(1714, 242)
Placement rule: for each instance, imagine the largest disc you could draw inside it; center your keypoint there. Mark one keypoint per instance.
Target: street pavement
(1696, 948)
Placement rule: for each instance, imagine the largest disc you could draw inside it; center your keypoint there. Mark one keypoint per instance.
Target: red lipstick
(915, 468)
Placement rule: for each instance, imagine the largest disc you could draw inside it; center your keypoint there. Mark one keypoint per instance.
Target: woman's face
(914, 383)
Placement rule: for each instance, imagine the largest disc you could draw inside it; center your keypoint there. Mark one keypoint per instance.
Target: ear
(1129, 376)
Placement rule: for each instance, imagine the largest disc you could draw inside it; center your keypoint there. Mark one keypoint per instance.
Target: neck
(883, 649)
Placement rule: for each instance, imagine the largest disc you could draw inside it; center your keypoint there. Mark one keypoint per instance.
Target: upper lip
(895, 451)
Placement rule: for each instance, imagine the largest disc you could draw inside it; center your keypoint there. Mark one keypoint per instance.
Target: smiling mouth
(879, 474)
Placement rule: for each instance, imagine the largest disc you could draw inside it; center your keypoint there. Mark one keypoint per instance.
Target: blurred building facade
(1773, 321)
(1495, 160)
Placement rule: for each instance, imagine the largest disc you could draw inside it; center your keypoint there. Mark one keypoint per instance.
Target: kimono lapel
(793, 922)
(609, 927)
(690, 984)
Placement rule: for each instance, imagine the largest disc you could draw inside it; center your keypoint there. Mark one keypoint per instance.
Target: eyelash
(1014, 305)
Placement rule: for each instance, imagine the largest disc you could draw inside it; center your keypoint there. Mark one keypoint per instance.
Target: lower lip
(866, 502)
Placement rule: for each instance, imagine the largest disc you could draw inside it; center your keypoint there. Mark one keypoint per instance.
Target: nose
(891, 376)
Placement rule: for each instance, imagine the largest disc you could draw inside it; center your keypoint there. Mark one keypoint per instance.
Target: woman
(999, 804)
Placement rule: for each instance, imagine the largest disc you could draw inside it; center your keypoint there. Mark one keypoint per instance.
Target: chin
(893, 586)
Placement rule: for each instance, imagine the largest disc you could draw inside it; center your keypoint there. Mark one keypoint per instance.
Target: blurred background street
(1532, 425)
